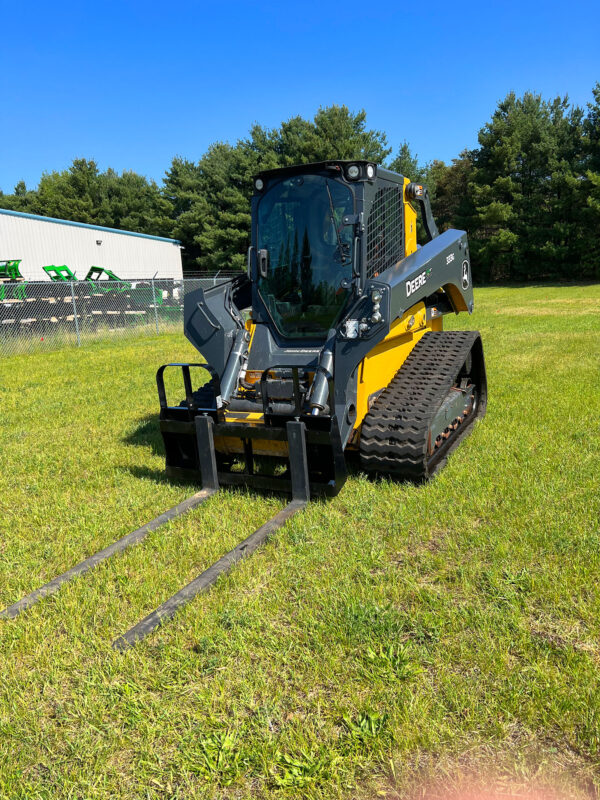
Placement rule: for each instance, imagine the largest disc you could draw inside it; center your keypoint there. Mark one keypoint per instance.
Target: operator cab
(304, 240)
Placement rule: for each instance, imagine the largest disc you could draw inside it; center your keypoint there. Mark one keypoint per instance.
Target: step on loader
(330, 347)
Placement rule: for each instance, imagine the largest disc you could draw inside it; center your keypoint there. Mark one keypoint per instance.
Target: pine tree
(523, 186)
(405, 163)
(590, 228)
(82, 193)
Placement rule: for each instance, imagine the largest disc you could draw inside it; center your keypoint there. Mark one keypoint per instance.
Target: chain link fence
(48, 315)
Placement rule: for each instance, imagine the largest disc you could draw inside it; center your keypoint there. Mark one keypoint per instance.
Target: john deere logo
(416, 283)
(465, 274)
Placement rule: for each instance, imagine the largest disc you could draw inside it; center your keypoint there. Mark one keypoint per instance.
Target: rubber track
(394, 433)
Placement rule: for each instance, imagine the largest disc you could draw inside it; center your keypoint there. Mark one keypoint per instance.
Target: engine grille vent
(385, 231)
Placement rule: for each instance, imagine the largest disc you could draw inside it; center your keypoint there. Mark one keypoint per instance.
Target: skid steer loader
(341, 349)
(331, 346)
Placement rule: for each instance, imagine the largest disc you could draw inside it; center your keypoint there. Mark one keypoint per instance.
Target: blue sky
(131, 84)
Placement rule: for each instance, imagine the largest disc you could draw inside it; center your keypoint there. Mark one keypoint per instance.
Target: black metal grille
(385, 231)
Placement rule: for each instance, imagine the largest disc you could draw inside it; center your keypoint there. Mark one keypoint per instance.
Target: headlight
(370, 171)
(353, 172)
(259, 184)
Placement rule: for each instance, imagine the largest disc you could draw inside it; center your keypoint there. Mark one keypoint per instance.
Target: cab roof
(334, 167)
(316, 166)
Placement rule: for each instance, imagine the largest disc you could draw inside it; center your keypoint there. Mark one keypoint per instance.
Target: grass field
(392, 641)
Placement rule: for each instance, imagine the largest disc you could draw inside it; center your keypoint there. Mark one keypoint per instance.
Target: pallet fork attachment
(116, 547)
(207, 578)
(210, 480)
(210, 483)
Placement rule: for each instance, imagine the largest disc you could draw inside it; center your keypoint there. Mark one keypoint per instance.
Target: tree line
(528, 195)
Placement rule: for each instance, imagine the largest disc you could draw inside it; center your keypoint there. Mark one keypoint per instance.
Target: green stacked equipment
(62, 273)
(9, 270)
(10, 273)
(95, 274)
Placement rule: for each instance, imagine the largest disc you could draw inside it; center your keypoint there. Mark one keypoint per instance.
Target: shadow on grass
(147, 434)
(159, 476)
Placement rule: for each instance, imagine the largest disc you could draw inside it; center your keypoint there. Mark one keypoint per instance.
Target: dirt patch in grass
(523, 769)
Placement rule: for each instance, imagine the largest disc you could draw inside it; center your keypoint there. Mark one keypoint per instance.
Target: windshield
(309, 253)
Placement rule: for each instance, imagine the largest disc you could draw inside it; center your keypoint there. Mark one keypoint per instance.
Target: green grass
(389, 638)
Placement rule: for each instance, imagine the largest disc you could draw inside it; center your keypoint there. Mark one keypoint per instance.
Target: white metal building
(43, 241)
